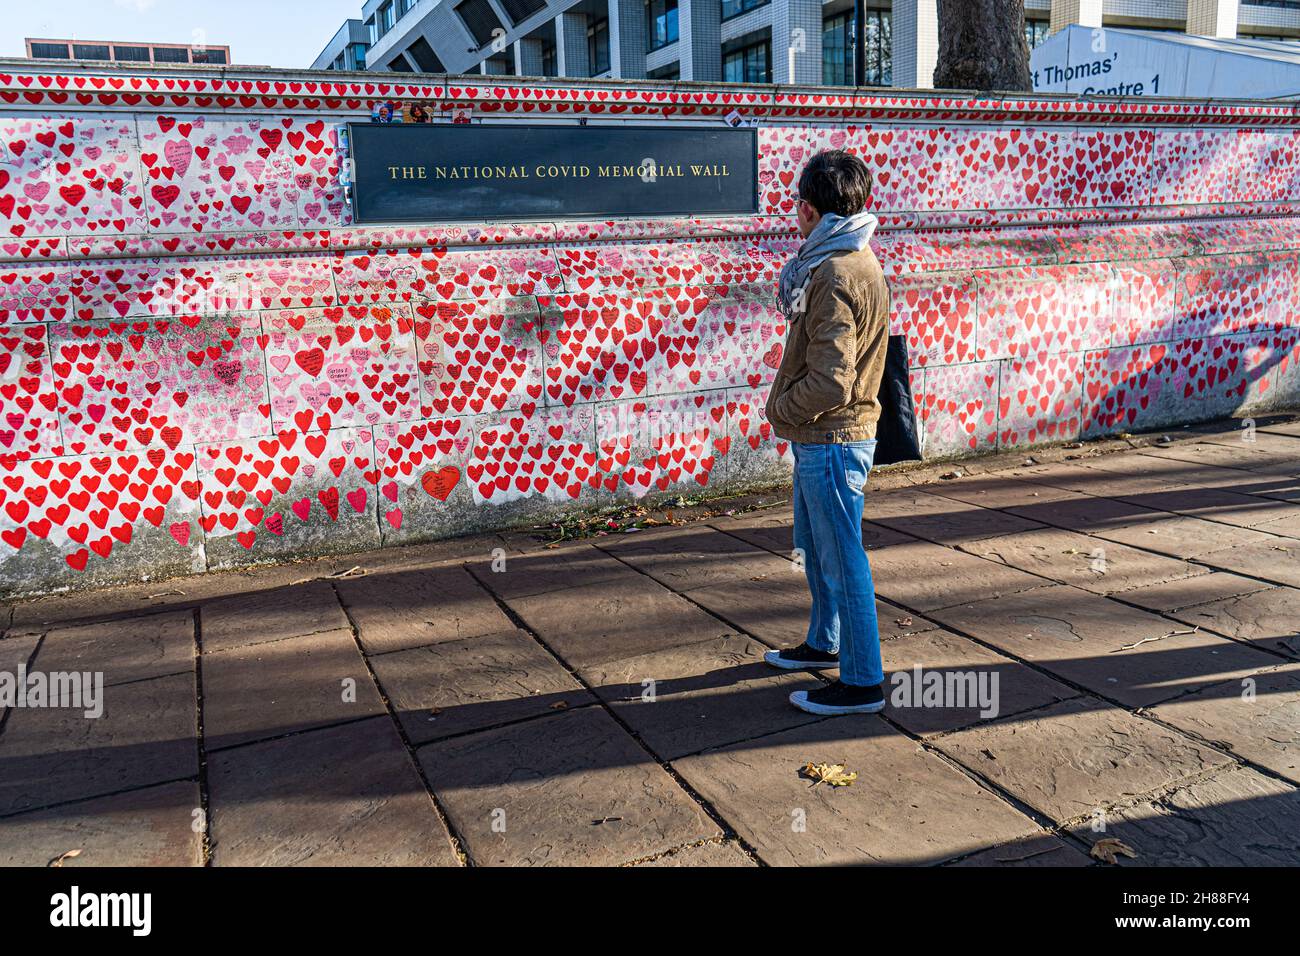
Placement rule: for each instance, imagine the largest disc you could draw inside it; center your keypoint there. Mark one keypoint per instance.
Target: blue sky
(286, 33)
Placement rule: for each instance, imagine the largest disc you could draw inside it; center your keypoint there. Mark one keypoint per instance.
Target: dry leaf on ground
(1108, 849)
(835, 774)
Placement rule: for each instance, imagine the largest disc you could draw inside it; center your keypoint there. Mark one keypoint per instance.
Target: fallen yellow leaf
(835, 774)
(1108, 849)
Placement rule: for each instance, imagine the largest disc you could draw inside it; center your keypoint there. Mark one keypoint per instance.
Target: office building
(761, 41)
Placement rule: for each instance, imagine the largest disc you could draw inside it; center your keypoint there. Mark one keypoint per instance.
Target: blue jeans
(828, 488)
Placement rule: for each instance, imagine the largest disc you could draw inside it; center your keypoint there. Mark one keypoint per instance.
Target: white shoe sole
(776, 660)
(800, 699)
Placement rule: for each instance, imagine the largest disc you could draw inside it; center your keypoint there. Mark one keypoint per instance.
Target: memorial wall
(207, 361)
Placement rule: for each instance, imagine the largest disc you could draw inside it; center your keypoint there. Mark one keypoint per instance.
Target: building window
(661, 23)
(1035, 32)
(837, 50)
(423, 54)
(131, 54)
(498, 66)
(734, 8)
(479, 19)
(749, 64)
(598, 46)
(171, 54)
(89, 51)
(550, 60)
(358, 56)
(50, 51)
(673, 71)
(880, 48)
(384, 19)
(520, 10)
(404, 7)
(210, 56)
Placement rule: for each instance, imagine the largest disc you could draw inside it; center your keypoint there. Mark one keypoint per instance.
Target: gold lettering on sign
(647, 172)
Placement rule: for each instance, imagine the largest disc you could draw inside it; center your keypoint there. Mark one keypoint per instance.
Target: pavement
(498, 700)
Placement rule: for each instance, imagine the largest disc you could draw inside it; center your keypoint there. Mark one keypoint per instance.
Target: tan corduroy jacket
(827, 388)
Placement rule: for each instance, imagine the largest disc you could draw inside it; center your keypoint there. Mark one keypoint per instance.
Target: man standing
(825, 402)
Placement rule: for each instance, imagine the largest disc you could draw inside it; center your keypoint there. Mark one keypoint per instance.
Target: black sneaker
(802, 658)
(840, 698)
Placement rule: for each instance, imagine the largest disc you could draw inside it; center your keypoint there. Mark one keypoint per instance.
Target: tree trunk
(982, 46)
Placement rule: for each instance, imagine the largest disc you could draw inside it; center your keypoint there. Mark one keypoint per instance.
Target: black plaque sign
(452, 172)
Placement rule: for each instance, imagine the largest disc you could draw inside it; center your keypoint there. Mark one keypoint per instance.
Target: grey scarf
(834, 233)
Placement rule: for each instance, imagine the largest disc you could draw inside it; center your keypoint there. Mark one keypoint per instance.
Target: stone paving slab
(244, 619)
(775, 609)
(1004, 490)
(1236, 818)
(1077, 756)
(153, 645)
(345, 796)
(1267, 618)
(1258, 719)
(1287, 527)
(455, 687)
(1278, 487)
(1276, 562)
(635, 618)
(726, 853)
(1182, 537)
(412, 608)
(1040, 850)
(563, 790)
(16, 652)
(1081, 560)
(688, 558)
(770, 528)
(941, 520)
(958, 660)
(1122, 475)
(906, 806)
(1118, 652)
(701, 695)
(1269, 454)
(1088, 513)
(268, 690)
(566, 566)
(147, 735)
(1169, 596)
(154, 826)
(1218, 504)
(1291, 428)
(925, 576)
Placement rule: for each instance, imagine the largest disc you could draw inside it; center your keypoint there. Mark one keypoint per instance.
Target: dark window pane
(479, 18)
(661, 23)
(520, 10)
(209, 56)
(733, 8)
(171, 54)
(598, 46)
(399, 65)
(131, 54)
(88, 51)
(751, 64)
(50, 51)
(423, 54)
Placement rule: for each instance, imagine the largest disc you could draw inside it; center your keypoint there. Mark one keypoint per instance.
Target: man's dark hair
(835, 181)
